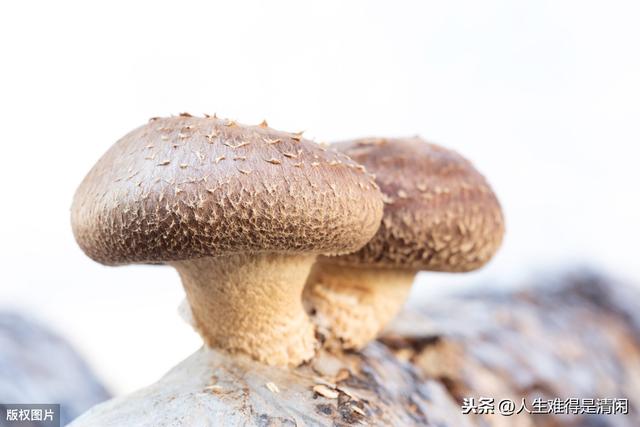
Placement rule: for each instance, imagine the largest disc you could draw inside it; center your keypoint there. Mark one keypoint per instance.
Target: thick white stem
(251, 303)
(350, 306)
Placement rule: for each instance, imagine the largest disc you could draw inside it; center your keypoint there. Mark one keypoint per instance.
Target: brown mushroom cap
(189, 187)
(440, 213)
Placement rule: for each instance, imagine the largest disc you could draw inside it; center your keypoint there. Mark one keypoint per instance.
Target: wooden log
(573, 337)
(578, 338)
(214, 389)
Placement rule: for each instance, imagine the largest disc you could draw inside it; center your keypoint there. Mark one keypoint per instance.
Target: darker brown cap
(440, 213)
(187, 187)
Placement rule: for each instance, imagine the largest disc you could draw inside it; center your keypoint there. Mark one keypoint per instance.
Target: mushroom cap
(440, 213)
(189, 187)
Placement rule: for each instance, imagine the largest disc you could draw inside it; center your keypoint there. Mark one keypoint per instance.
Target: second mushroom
(440, 215)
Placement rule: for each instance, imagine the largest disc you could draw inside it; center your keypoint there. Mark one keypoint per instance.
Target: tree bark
(576, 338)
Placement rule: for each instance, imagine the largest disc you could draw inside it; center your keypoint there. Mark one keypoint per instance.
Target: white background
(543, 96)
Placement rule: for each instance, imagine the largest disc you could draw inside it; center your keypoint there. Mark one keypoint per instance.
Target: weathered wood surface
(574, 337)
(579, 337)
(213, 389)
(38, 366)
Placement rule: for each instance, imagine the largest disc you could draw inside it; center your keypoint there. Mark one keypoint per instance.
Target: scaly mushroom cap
(440, 213)
(189, 187)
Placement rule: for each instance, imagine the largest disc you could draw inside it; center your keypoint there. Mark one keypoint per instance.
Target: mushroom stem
(351, 305)
(251, 303)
